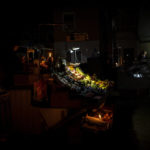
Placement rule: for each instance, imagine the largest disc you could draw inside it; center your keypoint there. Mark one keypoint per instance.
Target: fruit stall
(82, 84)
(98, 117)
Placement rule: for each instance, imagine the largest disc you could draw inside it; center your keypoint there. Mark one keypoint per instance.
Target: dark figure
(50, 65)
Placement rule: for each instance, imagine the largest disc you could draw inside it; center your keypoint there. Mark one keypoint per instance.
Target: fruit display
(89, 87)
(78, 74)
(83, 84)
(98, 119)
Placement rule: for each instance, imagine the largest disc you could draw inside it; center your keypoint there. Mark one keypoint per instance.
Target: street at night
(75, 75)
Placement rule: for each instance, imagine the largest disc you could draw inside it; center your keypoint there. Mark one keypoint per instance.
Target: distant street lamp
(75, 55)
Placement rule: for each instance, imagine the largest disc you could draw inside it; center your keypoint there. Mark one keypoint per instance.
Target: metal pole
(74, 56)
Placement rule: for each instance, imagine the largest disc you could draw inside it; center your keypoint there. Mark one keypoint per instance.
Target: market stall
(82, 84)
(93, 92)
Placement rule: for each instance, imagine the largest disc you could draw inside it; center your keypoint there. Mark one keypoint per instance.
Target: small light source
(100, 117)
(137, 75)
(76, 48)
(117, 65)
(71, 51)
(50, 54)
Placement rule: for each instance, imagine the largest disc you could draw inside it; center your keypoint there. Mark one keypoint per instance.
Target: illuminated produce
(87, 80)
(83, 84)
(98, 119)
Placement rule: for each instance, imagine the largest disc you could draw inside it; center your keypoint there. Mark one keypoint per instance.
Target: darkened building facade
(118, 33)
(130, 34)
(111, 32)
(125, 39)
(77, 28)
(144, 30)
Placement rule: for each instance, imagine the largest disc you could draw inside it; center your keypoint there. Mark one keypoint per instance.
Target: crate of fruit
(98, 119)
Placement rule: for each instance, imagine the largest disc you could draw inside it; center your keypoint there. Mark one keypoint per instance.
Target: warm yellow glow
(50, 54)
(29, 50)
(87, 80)
(100, 117)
